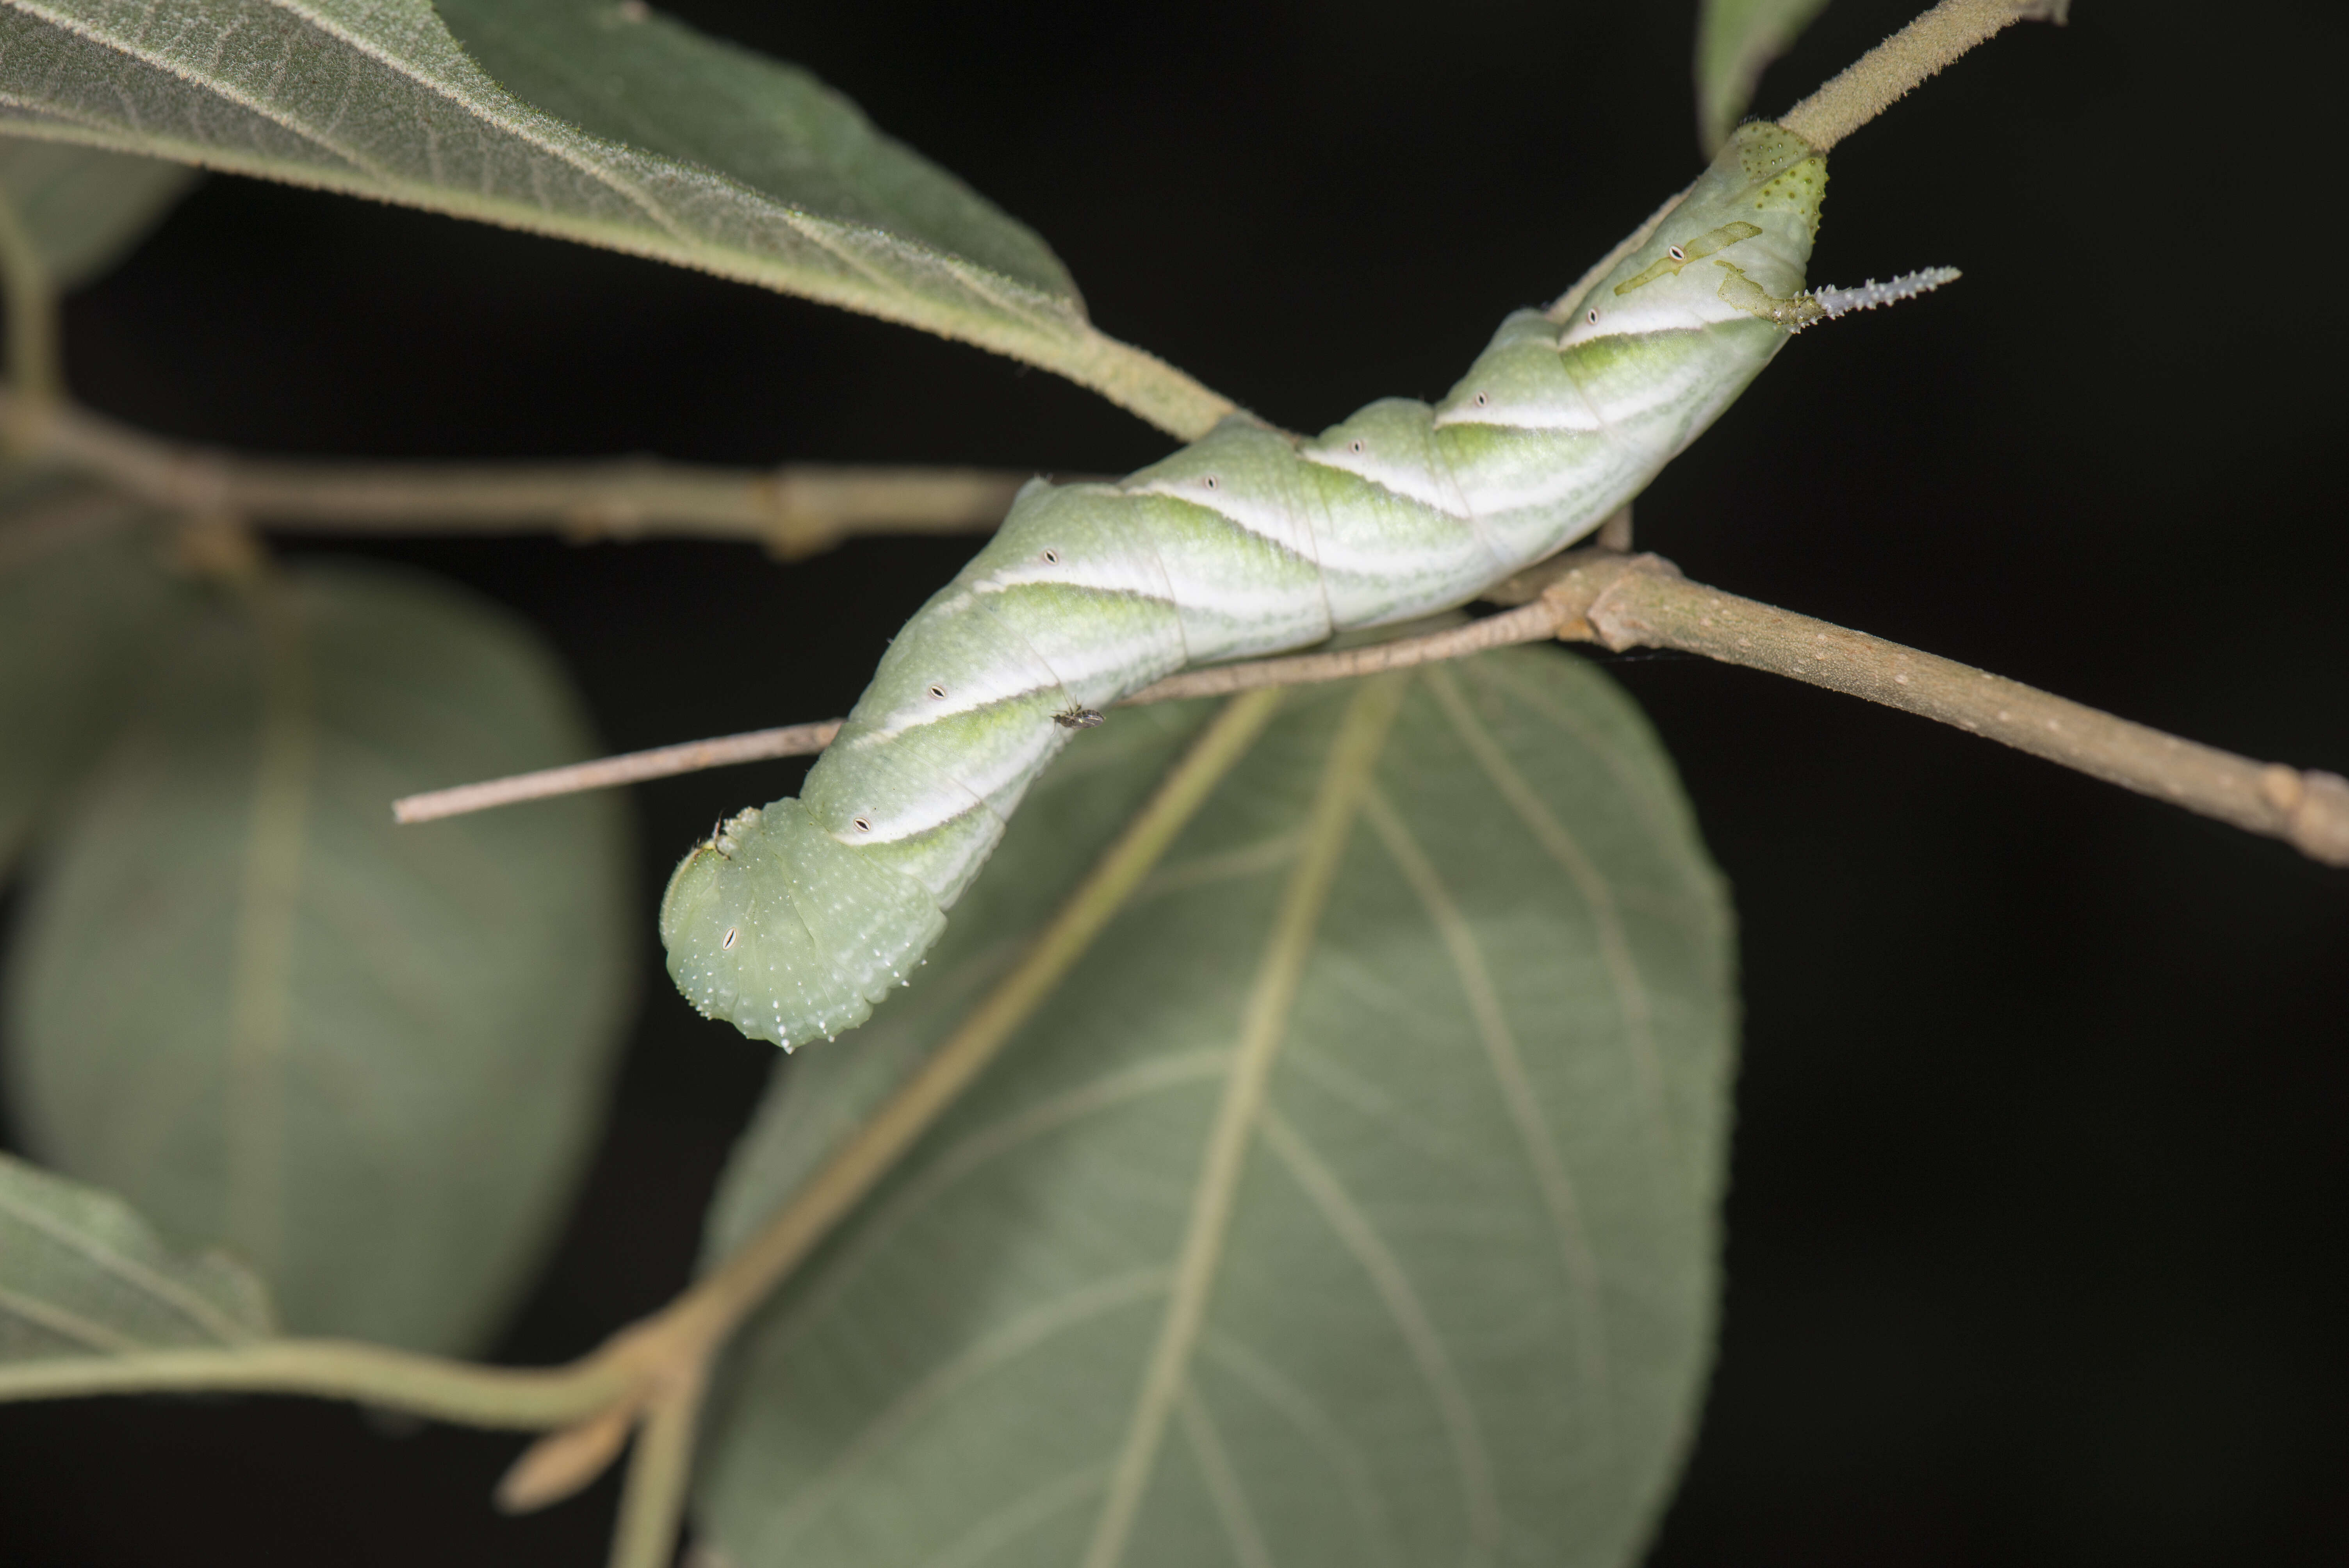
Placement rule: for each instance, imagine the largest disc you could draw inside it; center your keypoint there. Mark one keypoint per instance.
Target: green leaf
(1454, 1303)
(643, 79)
(367, 1060)
(81, 1273)
(86, 210)
(1736, 42)
(79, 594)
(629, 131)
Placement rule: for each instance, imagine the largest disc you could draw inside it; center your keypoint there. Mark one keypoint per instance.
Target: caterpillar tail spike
(793, 919)
(1835, 301)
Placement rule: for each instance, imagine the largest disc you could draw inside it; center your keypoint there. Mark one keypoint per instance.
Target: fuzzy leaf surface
(367, 1059)
(603, 123)
(1459, 1305)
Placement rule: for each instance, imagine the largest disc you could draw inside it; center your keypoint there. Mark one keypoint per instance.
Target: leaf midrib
(1329, 824)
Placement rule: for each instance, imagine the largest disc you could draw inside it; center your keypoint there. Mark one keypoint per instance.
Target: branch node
(564, 1463)
(2316, 814)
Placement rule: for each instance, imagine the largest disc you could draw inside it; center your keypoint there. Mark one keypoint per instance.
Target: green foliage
(731, 164)
(1462, 1305)
(86, 210)
(1457, 1300)
(367, 1059)
(80, 1272)
(646, 81)
(1736, 42)
(77, 599)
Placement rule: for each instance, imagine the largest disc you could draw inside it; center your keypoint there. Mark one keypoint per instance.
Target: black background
(2034, 1239)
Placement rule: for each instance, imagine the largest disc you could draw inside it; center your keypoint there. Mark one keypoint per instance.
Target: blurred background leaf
(1736, 42)
(79, 595)
(1465, 1304)
(83, 208)
(368, 1060)
(81, 1272)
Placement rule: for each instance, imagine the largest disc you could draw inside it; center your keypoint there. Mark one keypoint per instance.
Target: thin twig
(795, 511)
(1653, 606)
(1632, 601)
(1528, 625)
(1890, 71)
(1531, 624)
(607, 772)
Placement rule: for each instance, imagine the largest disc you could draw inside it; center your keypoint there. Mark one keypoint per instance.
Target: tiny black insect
(1078, 719)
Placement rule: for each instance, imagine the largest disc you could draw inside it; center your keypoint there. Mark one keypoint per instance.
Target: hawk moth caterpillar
(792, 919)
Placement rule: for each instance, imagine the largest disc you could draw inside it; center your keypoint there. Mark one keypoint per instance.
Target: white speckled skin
(794, 920)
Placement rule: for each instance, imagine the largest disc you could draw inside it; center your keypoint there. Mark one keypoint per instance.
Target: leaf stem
(515, 1398)
(660, 1469)
(1855, 95)
(35, 381)
(1889, 72)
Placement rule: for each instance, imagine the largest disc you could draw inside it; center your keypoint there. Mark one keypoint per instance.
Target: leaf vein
(1354, 1231)
(1536, 1138)
(1025, 1332)
(1614, 947)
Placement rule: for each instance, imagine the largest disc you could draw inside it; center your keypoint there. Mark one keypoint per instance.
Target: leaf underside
(1460, 1307)
(604, 123)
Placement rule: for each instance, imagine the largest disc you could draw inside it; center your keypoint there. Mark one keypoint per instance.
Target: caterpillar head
(1736, 248)
(779, 928)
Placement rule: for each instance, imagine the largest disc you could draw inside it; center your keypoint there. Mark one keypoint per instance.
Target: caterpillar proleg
(793, 920)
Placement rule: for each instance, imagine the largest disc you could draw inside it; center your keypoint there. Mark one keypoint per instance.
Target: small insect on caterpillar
(794, 919)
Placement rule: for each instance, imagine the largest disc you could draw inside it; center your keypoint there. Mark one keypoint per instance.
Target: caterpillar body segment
(793, 920)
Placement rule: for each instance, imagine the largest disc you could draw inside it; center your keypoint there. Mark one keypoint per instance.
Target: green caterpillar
(793, 920)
